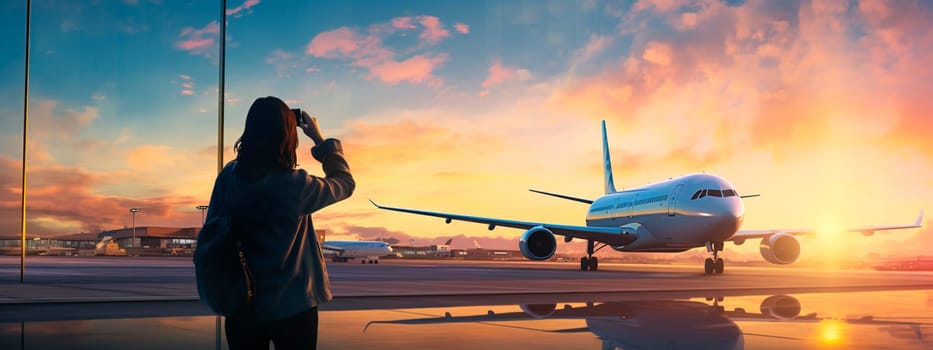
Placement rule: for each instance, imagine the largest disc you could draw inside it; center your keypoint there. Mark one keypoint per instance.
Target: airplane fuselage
(360, 249)
(678, 214)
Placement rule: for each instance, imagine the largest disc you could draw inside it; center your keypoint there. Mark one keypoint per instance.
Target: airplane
(370, 251)
(664, 323)
(683, 213)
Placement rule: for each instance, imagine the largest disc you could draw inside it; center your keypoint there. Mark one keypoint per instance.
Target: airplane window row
(658, 198)
(714, 193)
(642, 201)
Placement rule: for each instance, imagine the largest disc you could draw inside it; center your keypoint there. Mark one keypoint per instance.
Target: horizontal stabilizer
(587, 201)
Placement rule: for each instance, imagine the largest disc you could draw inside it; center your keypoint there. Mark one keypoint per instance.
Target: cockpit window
(714, 193)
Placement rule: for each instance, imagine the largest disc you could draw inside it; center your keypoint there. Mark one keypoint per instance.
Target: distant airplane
(661, 323)
(659, 218)
(370, 251)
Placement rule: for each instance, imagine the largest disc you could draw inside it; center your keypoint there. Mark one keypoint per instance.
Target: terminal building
(148, 240)
(72, 244)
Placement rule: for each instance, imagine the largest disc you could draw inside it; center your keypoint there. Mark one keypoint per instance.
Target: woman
(270, 203)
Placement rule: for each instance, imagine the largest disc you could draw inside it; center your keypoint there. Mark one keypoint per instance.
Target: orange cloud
(49, 121)
(368, 50)
(403, 23)
(246, 6)
(417, 69)
(60, 200)
(376, 145)
(433, 29)
(199, 41)
(500, 74)
(658, 53)
(333, 44)
(187, 86)
(781, 76)
(462, 28)
(660, 5)
(595, 46)
(148, 157)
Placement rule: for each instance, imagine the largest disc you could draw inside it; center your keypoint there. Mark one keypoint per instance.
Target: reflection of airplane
(657, 324)
(642, 324)
(671, 216)
(346, 250)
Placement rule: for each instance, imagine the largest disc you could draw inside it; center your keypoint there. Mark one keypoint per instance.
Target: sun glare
(832, 332)
(827, 248)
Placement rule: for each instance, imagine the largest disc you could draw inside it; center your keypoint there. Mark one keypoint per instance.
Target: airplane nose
(736, 213)
(731, 214)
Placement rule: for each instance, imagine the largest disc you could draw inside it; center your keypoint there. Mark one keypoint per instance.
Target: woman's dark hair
(269, 139)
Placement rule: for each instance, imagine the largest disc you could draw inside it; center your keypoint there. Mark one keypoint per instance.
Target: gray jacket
(273, 219)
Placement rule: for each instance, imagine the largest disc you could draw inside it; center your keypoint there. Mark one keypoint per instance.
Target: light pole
(202, 208)
(134, 211)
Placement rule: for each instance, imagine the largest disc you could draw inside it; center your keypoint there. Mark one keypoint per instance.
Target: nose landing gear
(715, 264)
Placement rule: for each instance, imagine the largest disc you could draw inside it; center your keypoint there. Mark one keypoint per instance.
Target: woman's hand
(310, 127)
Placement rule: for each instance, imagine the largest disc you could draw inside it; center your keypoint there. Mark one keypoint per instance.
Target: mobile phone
(297, 113)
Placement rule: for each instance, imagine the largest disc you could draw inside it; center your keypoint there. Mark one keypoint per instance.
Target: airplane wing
(614, 236)
(742, 235)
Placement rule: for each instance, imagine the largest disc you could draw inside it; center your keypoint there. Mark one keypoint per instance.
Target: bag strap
(228, 188)
(231, 179)
(247, 272)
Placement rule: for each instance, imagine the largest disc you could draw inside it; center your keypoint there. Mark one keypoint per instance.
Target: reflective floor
(854, 320)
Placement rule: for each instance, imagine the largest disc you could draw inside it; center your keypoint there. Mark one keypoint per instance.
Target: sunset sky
(822, 107)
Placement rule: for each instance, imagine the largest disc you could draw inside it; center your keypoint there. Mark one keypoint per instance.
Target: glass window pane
(12, 71)
(122, 126)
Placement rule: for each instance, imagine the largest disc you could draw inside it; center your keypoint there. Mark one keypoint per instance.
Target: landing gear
(590, 262)
(714, 265)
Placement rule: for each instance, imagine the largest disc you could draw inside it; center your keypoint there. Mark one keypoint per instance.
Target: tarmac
(167, 279)
(120, 302)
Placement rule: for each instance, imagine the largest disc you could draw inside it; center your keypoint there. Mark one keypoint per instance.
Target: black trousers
(296, 332)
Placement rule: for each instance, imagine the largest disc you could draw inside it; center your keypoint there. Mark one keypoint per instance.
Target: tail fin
(610, 184)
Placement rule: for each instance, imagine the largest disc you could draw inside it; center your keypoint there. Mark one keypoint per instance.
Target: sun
(828, 237)
(832, 332)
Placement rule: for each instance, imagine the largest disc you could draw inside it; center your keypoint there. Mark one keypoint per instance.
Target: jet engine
(782, 307)
(780, 248)
(538, 243)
